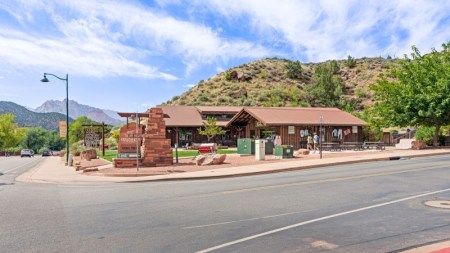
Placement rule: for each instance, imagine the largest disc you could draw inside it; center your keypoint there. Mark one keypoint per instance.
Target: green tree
(210, 129)
(293, 69)
(54, 142)
(326, 87)
(416, 92)
(35, 139)
(10, 134)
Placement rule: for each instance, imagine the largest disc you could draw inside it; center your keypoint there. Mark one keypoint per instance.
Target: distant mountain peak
(77, 110)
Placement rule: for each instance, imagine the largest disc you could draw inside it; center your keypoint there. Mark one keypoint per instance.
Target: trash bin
(260, 150)
(246, 146)
(284, 151)
(269, 146)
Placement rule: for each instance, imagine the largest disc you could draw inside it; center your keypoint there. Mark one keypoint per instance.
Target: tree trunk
(210, 137)
(436, 136)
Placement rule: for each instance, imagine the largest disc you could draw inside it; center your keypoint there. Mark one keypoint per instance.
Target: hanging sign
(291, 129)
(62, 129)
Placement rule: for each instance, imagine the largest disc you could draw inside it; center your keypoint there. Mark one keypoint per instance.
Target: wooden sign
(92, 137)
(62, 129)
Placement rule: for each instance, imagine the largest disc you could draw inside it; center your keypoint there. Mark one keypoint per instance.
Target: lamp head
(44, 80)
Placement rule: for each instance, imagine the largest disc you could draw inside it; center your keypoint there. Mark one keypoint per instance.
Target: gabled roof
(297, 116)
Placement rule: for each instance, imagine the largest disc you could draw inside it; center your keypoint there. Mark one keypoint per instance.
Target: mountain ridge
(77, 110)
(28, 118)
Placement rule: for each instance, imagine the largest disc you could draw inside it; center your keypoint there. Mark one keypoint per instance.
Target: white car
(26, 152)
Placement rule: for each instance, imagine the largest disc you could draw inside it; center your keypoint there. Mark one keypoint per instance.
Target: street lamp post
(45, 80)
(320, 137)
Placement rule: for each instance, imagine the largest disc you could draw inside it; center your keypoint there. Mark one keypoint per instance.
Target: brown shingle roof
(300, 116)
(219, 109)
(186, 116)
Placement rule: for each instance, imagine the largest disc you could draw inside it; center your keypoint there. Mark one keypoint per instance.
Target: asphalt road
(370, 207)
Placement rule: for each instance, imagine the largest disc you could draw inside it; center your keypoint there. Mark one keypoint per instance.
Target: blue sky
(131, 55)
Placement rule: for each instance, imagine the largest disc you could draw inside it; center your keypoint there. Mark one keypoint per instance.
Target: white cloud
(86, 57)
(189, 85)
(95, 39)
(322, 30)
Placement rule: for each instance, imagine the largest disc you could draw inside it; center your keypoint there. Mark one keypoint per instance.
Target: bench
(331, 146)
(206, 148)
(376, 145)
(357, 146)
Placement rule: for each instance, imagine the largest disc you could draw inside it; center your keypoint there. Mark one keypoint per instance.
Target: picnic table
(376, 145)
(331, 146)
(357, 146)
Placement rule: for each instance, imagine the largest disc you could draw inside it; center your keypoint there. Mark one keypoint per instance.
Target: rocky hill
(77, 110)
(27, 118)
(271, 82)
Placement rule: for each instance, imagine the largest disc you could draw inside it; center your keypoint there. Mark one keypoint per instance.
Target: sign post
(92, 137)
(320, 136)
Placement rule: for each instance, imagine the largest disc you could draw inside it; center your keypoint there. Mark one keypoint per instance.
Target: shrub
(426, 134)
(350, 62)
(263, 74)
(293, 69)
(228, 75)
(76, 148)
(360, 92)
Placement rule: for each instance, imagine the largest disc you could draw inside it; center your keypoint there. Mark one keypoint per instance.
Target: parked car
(46, 153)
(26, 152)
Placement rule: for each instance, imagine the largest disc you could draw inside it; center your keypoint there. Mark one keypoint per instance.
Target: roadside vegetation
(415, 92)
(13, 138)
(181, 153)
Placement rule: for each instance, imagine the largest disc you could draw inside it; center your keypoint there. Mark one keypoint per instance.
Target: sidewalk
(52, 170)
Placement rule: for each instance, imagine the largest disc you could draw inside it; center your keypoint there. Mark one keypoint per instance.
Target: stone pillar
(157, 150)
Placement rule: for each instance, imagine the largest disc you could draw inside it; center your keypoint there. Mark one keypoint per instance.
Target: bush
(293, 69)
(76, 149)
(263, 74)
(425, 134)
(350, 62)
(228, 76)
(360, 92)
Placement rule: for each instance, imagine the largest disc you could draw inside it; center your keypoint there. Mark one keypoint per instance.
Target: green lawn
(110, 154)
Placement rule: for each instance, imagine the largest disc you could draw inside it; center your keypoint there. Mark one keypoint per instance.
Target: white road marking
(276, 186)
(256, 218)
(319, 219)
(18, 167)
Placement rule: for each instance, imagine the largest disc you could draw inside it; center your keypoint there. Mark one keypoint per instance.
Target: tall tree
(416, 91)
(36, 138)
(10, 134)
(210, 129)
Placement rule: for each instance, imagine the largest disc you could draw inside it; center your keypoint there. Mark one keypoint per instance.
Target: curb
(284, 169)
(27, 176)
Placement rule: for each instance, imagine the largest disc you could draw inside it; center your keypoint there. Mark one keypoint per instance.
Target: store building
(292, 124)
